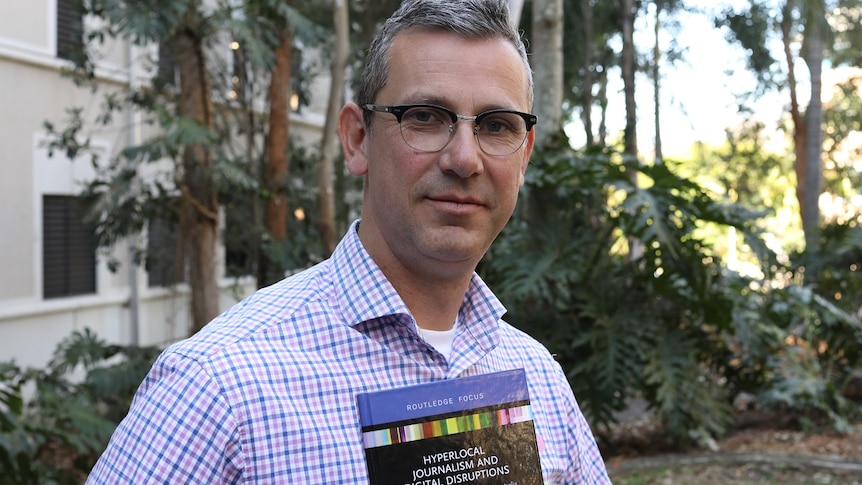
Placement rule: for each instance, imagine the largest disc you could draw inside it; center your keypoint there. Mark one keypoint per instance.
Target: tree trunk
(800, 132)
(813, 130)
(627, 16)
(329, 145)
(515, 9)
(200, 204)
(589, 79)
(656, 59)
(275, 174)
(547, 63)
(548, 66)
(628, 67)
(603, 103)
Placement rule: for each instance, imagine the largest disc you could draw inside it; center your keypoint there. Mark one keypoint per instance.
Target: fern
(689, 401)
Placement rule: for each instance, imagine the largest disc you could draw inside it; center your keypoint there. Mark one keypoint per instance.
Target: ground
(769, 453)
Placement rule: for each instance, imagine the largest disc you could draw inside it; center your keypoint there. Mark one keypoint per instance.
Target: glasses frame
(398, 110)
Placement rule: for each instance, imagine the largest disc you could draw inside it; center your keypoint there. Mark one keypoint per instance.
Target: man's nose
(463, 155)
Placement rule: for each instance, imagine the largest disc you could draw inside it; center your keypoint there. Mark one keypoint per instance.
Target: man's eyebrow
(420, 98)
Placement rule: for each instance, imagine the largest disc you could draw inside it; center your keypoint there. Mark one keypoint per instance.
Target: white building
(52, 281)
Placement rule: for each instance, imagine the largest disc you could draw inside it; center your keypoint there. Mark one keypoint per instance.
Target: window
(68, 249)
(165, 255)
(70, 29)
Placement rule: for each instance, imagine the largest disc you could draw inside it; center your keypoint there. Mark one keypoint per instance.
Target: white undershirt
(439, 339)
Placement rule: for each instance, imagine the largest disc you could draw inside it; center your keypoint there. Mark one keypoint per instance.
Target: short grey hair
(471, 19)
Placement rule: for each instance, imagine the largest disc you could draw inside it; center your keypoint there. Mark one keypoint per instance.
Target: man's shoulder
(517, 338)
(260, 312)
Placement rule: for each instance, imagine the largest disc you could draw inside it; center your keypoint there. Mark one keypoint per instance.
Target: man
(266, 393)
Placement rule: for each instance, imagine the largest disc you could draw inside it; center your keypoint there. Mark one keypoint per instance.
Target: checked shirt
(266, 393)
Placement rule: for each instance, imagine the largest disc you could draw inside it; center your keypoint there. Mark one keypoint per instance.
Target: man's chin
(456, 244)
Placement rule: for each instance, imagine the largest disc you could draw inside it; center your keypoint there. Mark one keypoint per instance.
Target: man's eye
(496, 125)
(422, 115)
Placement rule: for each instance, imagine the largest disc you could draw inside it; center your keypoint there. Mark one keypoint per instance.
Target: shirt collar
(365, 294)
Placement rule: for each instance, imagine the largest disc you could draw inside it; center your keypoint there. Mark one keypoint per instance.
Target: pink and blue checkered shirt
(266, 393)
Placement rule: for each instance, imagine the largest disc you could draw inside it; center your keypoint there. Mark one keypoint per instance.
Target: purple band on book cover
(441, 397)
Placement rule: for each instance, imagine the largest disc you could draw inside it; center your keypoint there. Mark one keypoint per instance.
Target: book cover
(476, 429)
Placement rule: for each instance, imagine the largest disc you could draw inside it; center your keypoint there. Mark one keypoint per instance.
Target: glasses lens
(425, 128)
(501, 133)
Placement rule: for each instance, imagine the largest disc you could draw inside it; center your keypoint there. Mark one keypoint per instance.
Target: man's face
(435, 214)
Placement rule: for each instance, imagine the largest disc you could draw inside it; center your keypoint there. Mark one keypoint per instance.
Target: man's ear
(353, 133)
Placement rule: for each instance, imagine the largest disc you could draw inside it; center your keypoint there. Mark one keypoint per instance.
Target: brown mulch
(762, 449)
(762, 434)
(827, 443)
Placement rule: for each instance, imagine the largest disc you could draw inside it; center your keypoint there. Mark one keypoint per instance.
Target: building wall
(34, 91)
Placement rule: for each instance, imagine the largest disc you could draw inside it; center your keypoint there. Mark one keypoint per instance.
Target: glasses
(429, 128)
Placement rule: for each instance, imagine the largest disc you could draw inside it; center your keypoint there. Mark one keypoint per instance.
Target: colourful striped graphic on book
(446, 426)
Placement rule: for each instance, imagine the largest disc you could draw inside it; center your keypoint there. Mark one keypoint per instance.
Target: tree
(626, 10)
(841, 122)
(664, 9)
(586, 13)
(589, 26)
(812, 52)
(195, 133)
(188, 137)
(278, 25)
(199, 199)
(656, 78)
(329, 143)
(276, 211)
(547, 60)
(811, 22)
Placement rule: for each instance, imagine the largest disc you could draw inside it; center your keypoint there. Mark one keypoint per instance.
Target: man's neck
(435, 306)
(432, 290)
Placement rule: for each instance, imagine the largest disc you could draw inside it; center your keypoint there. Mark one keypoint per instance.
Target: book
(477, 429)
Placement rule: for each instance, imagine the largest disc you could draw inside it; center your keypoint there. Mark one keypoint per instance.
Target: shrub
(615, 277)
(54, 422)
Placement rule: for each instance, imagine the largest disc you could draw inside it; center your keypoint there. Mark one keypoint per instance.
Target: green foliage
(135, 20)
(627, 302)
(846, 22)
(66, 140)
(55, 421)
(243, 236)
(810, 361)
(744, 171)
(737, 169)
(613, 276)
(816, 334)
(146, 181)
(751, 28)
(842, 117)
(837, 265)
